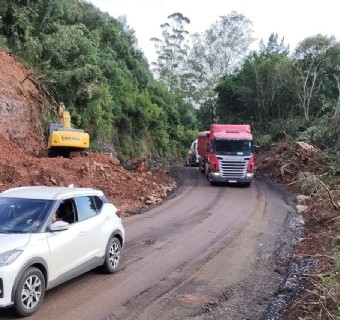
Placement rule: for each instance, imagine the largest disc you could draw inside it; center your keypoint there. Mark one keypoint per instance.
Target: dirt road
(211, 252)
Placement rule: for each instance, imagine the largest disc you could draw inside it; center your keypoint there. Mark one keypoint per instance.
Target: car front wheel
(30, 292)
(112, 255)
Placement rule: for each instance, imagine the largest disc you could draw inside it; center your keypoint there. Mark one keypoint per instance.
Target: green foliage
(289, 128)
(308, 182)
(90, 61)
(324, 131)
(265, 141)
(273, 46)
(314, 58)
(337, 243)
(314, 133)
(337, 265)
(286, 97)
(329, 280)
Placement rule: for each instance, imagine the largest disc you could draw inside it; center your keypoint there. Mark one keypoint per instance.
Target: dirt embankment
(22, 140)
(20, 106)
(307, 171)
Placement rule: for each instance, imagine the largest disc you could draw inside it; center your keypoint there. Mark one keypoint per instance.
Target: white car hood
(13, 241)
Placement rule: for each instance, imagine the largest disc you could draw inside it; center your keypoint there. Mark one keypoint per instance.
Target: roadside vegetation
(291, 97)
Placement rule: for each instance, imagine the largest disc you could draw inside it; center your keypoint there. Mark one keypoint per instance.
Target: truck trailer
(192, 158)
(226, 153)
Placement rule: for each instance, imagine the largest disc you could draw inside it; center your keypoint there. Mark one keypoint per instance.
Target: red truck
(226, 153)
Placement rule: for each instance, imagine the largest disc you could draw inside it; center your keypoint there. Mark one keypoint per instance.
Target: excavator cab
(63, 141)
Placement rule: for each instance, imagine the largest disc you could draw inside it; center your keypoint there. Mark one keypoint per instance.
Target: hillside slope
(20, 106)
(22, 140)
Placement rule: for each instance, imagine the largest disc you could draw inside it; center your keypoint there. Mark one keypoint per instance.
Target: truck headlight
(249, 174)
(8, 257)
(215, 173)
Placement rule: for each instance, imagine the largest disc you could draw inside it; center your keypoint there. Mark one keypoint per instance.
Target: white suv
(39, 250)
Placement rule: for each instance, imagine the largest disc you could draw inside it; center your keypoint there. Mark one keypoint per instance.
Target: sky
(294, 20)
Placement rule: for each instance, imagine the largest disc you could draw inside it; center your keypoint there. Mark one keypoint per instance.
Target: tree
(273, 46)
(194, 73)
(258, 91)
(217, 52)
(311, 57)
(272, 78)
(172, 51)
(229, 108)
(331, 91)
(223, 46)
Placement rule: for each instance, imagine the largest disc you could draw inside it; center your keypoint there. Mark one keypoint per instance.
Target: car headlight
(8, 257)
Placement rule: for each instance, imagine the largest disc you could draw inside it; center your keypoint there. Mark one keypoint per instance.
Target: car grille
(233, 167)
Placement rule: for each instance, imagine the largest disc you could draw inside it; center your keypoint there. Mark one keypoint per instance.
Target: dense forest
(91, 62)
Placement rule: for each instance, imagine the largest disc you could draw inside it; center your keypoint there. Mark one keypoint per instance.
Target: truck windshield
(233, 147)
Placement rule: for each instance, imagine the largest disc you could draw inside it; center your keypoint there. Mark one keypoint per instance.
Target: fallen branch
(306, 146)
(303, 239)
(293, 182)
(329, 194)
(317, 256)
(26, 77)
(328, 313)
(283, 169)
(288, 136)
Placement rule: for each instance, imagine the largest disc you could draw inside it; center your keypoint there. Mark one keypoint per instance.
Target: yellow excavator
(64, 141)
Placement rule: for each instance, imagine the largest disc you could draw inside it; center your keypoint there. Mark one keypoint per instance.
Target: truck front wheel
(206, 171)
(200, 166)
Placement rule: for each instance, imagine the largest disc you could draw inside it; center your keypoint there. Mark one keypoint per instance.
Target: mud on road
(251, 274)
(207, 252)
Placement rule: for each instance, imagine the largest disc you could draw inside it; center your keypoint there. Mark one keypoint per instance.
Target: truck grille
(233, 167)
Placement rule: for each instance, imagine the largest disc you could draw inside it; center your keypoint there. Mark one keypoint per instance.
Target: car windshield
(18, 215)
(233, 147)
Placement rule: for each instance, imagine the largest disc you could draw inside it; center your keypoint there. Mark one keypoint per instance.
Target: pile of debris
(131, 190)
(286, 161)
(305, 170)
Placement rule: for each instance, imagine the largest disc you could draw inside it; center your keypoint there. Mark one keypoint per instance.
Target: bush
(265, 141)
(308, 182)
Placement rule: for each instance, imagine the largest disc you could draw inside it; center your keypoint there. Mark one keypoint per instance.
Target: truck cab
(227, 154)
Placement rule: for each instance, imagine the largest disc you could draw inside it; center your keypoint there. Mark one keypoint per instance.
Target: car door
(95, 238)
(67, 250)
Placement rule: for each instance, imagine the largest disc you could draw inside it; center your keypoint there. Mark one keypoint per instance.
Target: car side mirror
(59, 226)
(256, 149)
(208, 147)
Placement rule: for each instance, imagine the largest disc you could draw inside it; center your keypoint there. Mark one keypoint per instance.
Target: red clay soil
(21, 106)
(22, 140)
